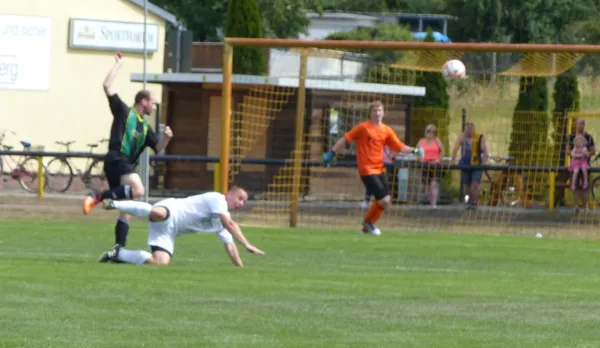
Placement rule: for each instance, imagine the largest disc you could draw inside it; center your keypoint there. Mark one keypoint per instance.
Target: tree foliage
(529, 134)
(281, 19)
(566, 98)
(380, 6)
(243, 20)
(384, 31)
(517, 21)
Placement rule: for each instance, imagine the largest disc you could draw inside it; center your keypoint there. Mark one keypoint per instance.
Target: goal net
(524, 103)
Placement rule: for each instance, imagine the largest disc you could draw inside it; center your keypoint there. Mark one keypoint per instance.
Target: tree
(202, 17)
(281, 19)
(243, 20)
(383, 31)
(566, 98)
(287, 18)
(356, 5)
(529, 134)
(478, 21)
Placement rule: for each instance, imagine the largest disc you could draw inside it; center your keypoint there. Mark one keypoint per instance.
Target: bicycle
(507, 186)
(25, 168)
(61, 170)
(595, 184)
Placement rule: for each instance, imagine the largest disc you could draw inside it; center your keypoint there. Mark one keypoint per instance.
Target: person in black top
(130, 134)
(582, 194)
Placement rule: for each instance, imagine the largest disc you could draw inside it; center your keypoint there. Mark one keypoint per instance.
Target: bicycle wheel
(595, 189)
(60, 174)
(28, 174)
(94, 177)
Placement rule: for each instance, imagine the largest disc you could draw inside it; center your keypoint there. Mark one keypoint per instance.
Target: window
(340, 120)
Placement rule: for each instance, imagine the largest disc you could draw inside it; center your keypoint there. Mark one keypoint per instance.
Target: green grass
(311, 289)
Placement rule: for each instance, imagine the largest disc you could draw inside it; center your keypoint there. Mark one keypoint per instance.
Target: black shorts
(116, 165)
(377, 185)
(429, 174)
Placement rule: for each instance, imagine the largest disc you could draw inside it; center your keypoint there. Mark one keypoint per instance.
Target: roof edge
(157, 11)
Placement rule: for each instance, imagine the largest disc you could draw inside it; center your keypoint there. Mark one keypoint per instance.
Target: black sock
(118, 193)
(121, 231)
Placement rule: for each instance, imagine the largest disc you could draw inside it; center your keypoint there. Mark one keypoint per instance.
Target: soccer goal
(276, 125)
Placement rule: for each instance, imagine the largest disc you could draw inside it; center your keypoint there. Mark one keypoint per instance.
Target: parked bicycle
(23, 169)
(594, 183)
(507, 186)
(61, 171)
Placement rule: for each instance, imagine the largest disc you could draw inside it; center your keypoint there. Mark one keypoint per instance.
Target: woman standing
(434, 152)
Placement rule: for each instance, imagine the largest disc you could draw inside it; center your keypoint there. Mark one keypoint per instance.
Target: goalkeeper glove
(417, 150)
(327, 158)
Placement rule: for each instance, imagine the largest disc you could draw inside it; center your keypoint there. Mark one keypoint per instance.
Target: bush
(566, 98)
(529, 136)
(243, 20)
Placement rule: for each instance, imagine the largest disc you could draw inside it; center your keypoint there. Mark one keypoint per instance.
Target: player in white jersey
(174, 217)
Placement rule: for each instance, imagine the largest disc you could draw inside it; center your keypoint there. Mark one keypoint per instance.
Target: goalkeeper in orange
(371, 137)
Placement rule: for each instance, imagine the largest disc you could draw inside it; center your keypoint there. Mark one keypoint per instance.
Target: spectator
(473, 152)
(434, 153)
(581, 192)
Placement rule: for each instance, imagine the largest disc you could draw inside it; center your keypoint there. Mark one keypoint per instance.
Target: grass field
(311, 289)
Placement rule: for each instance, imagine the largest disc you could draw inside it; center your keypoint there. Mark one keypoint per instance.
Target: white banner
(113, 36)
(25, 44)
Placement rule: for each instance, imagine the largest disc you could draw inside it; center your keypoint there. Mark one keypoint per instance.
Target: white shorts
(162, 234)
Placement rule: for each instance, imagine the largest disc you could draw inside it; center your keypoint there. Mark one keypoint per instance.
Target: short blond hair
(580, 139)
(374, 104)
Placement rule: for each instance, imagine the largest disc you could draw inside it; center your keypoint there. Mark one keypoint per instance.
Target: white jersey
(194, 214)
(200, 213)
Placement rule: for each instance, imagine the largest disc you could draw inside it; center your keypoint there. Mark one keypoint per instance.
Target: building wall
(195, 115)
(328, 23)
(75, 107)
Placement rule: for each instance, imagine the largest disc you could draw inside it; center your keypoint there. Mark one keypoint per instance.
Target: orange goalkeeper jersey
(370, 141)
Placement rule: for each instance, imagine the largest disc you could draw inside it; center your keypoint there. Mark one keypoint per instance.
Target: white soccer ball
(454, 69)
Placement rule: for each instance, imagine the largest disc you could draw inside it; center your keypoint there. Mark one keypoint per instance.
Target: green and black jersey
(130, 133)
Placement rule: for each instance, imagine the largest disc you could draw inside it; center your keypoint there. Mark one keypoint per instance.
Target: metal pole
(225, 118)
(145, 158)
(298, 141)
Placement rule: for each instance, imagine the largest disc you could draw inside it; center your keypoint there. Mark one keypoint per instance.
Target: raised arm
(159, 145)
(110, 78)
(164, 141)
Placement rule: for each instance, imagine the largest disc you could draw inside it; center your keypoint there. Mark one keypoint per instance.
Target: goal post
(273, 127)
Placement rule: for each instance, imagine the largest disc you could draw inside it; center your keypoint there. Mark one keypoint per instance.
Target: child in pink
(579, 161)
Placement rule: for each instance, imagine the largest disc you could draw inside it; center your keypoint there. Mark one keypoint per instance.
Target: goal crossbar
(401, 45)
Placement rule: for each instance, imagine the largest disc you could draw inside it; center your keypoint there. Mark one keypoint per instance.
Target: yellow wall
(75, 107)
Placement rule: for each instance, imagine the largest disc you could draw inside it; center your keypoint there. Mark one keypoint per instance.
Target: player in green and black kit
(130, 134)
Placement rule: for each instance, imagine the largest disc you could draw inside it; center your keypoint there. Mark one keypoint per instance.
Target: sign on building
(25, 46)
(111, 35)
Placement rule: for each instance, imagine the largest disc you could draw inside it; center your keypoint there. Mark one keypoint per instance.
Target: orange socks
(374, 213)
